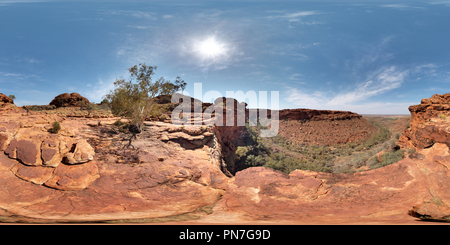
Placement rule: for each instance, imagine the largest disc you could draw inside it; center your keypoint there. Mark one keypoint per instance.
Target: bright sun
(211, 48)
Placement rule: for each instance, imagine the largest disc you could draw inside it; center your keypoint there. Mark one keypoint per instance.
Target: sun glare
(211, 48)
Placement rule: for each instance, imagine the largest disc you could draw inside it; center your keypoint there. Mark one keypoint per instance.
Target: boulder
(68, 100)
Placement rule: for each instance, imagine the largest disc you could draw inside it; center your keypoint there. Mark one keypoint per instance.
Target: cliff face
(316, 115)
(429, 123)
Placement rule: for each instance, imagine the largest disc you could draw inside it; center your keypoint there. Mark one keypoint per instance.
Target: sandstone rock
(79, 152)
(28, 152)
(3, 138)
(73, 177)
(68, 100)
(426, 126)
(34, 174)
(49, 151)
(5, 99)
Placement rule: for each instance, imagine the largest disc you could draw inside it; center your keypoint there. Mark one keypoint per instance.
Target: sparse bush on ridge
(40, 107)
(443, 116)
(134, 98)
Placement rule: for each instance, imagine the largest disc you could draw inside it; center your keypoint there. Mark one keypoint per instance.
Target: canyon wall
(429, 123)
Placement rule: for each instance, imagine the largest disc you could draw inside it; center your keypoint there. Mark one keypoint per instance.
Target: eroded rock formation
(429, 123)
(5, 99)
(68, 100)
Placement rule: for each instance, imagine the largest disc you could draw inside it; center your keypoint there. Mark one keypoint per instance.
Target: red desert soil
(173, 174)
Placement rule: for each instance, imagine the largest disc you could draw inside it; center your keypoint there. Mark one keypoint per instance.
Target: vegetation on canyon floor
(379, 150)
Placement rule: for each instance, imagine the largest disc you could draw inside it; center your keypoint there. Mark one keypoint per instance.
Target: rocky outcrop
(40, 157)
(5, 99)
(159, 178)
(39, 149)
(68, 100)
(6, 103)
(429, 123)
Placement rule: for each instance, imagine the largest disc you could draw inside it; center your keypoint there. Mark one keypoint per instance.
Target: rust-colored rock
(27, 152)
(5, 99)
(68, 100)
(34, 174)
(429, 123)
(3, 138)
(74, 177)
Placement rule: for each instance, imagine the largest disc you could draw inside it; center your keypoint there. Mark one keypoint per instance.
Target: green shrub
(391, 157)
(56, 127)
(372, 162)
(287, 164)
(123, 126)
(118, 123)
(443, 116)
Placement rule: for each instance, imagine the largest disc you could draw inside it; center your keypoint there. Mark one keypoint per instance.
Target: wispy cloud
(446, 3)
(33, 60)
(139, 27)
(295, 76)
(29, 60)
(167, 16)
(96, 92)
(400, 6)
(293, 16)
(292, 50)
(133, 13)
(377, 82)
(369, 55)
(297, 18)
(7, 76)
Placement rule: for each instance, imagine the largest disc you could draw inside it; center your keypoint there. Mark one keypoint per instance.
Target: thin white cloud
(295, 76)
(297, 17)
(33, 60)
(293, 16)
(6, 75)
(378, 82)
(400, 6)
(167, 16)
(96, 92)
(133, 13)
(446, 3)
(370, 55)
(139, 27)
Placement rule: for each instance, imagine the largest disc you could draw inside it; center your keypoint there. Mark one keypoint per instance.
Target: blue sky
(367, 57)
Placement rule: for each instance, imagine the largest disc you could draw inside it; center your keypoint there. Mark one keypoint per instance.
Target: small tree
(11, 96)
(134, 98)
